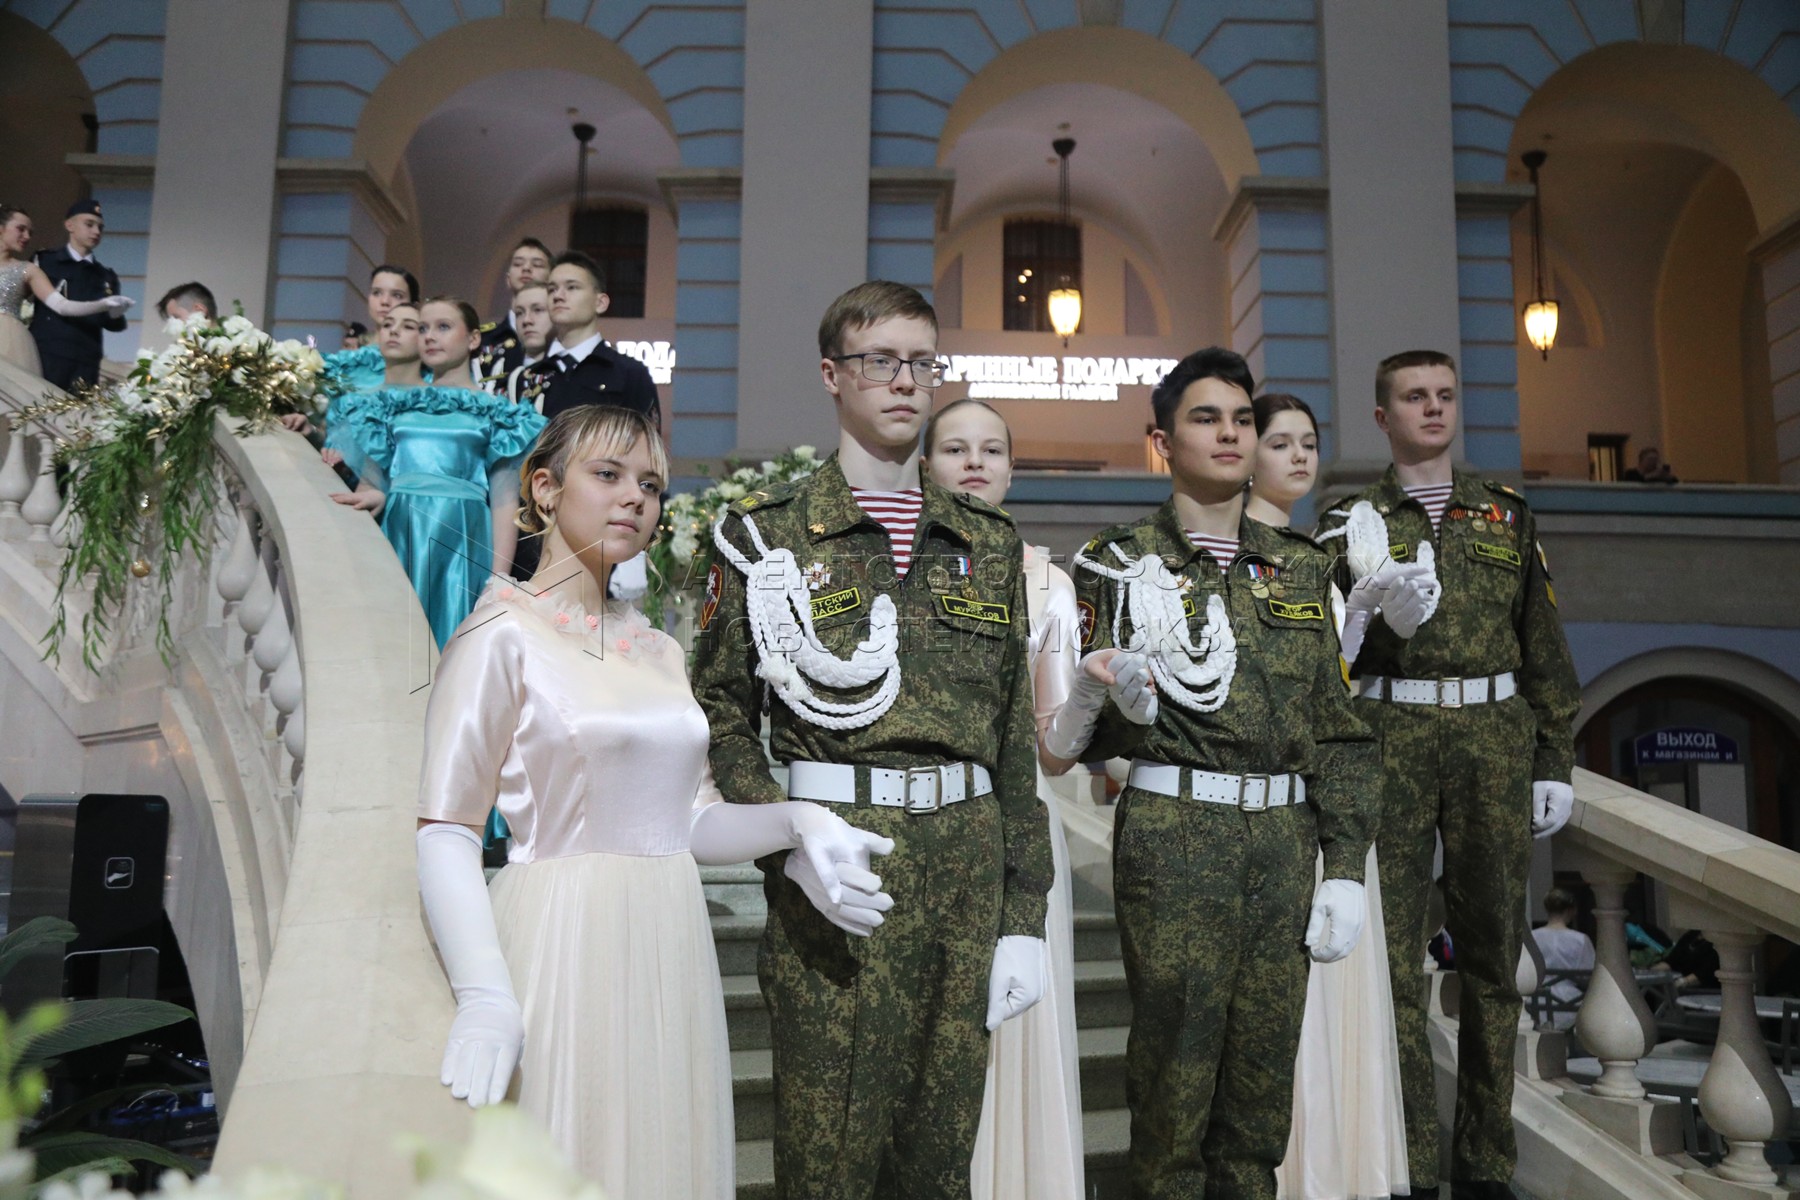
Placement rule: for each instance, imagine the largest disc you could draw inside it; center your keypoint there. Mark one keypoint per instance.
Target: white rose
(805, 453)
(730, 490)
(683, 547)
(745, 475)
(236, 324)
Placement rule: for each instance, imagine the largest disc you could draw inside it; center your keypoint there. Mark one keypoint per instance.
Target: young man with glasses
(885, 619)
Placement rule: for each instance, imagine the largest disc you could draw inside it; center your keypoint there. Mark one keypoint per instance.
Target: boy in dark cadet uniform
(502, 350)
(71, 347)
(1474, 707)
(885, 618)
(1248, 761)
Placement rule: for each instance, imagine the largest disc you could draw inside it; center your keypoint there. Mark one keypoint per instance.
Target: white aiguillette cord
(1196, 677)
(1365, 537)
(779, 606)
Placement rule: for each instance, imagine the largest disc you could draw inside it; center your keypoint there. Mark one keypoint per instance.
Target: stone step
(753, 1082)
(1101, 1002)
(734, 891)
(1105, 1136)
(736, 935)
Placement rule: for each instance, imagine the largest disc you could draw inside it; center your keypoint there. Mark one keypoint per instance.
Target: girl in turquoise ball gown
(438, 461)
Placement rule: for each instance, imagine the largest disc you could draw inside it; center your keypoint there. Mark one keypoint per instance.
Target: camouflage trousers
(1212, 905)
(1464, 774)
(880, 1043)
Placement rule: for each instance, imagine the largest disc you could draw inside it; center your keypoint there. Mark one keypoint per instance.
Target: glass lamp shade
(1065, 312)
(1540, 324)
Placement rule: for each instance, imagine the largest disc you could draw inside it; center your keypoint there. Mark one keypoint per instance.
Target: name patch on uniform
(837, 602)
(1398, 551)
(1310, 611)
(976, 610)
(1503, 554)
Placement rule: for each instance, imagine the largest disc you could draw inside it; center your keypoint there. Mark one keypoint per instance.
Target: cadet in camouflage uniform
(1230, 801)
(880, 1048)
(1474, 713)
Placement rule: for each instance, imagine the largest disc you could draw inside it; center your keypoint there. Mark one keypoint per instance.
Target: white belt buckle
(932, 778)
(1443, 699)
(1249, 803)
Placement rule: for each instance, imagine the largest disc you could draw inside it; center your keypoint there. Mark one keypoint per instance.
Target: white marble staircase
(1102, 1009)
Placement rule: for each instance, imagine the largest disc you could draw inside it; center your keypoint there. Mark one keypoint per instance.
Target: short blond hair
(864, 305)
(584, 429)
(1395, 363)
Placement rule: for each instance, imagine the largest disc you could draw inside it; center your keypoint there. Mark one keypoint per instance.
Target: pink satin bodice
(582, 728)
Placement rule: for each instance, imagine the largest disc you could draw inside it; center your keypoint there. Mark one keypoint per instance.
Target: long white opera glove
(1016, 981)
(1072, 728)
(62, 306)
(859, 903)
(1551, 805)
(489, 1030)
(1339, 911)
(724, 833)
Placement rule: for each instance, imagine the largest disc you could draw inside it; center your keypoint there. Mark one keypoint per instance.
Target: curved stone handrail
(293, 717)
(343, 1057)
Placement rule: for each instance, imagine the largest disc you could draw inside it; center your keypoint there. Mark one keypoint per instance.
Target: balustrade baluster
(15, 476)
(1742, 1096)
(43, 502)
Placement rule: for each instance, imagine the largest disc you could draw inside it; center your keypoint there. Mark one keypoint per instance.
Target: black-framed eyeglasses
(885, 368)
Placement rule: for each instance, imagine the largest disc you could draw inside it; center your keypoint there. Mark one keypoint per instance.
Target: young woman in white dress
(589, 963)
(21, 278)
(1348, 1140)
(1028, 1146)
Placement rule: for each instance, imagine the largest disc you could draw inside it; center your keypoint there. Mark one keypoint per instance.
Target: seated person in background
(1564, 949)
(185, 299)
(1650, 468)
(1694, 959)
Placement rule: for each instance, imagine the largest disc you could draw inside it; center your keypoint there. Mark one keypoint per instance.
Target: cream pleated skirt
(1348, 1140)
(1029, 1144)
(625, 1059)
(18, 347)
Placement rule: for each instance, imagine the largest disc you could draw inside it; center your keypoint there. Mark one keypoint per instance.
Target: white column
(1741, 1095)
(805, 223)
(1393, 202)
(212, 213)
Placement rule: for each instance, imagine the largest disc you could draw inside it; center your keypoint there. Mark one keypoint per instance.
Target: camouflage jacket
(1498, 611)
(1287, 709)
(965, 685)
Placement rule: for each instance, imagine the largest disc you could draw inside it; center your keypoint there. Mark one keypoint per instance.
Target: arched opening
(1159, 145)
(1667, 165)
(46, 114)
(472, 135)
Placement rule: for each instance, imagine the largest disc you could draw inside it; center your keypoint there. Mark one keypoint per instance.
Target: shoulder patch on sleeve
(1504, 490)
(977, 504)
(762, 498)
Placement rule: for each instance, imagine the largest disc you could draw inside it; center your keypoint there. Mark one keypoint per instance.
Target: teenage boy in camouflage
(1474, 704)
(884, 619)
(1252, 761)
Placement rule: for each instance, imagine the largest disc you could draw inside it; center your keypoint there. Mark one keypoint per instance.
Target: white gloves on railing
(489, 1030)
(1016, 981)
(1339, 911)
(1551, 805)
(62, 306)
(1130, 686)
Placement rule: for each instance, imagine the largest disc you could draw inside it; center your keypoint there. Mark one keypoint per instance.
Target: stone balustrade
(1734, 888)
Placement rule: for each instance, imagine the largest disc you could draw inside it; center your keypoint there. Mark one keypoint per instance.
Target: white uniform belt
(916, 789)
(1252, 793)
(1443, 693)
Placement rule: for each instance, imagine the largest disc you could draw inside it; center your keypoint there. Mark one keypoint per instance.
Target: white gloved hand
(1133, 689)
(62, 306)
(1124, 675)
(1551, 805)
(859, 902)
(1338, 912)
(1367, 594)
(1410, 602)
(489, 1030)
(1016, 981)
